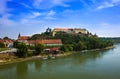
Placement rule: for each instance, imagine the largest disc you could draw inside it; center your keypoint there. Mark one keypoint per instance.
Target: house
(7, 43)
(70, 31)
(23, 38)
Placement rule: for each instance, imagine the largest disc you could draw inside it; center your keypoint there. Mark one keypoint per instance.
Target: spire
(19, 35)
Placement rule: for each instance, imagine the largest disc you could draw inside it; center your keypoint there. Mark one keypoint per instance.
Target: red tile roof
(61, 29)
(23, 37)
(6, 41)
(50, 41)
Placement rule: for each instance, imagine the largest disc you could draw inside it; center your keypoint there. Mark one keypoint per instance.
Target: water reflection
(38, 64)
(84, 57)
(22, 69)
(7, 66)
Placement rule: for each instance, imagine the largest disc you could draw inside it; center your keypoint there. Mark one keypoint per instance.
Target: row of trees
(114, 39)
(6, 38)
(45, 35)
(23, 49)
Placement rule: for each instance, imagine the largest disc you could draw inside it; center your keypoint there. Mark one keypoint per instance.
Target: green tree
(70, 47)
(80, 46)
(48, 31)
(22, 50)
(6, 38)
(35, 36)
(39, 48)
(64, 48)
(15, 44)
(2, 45)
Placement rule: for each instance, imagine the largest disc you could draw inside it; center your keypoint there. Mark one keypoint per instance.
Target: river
(104, 64)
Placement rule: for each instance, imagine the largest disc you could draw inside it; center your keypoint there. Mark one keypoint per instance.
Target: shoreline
(17, 60)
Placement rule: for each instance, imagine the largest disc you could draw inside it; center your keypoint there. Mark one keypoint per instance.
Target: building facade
(46, 42)
(70, 31)
(7, 43)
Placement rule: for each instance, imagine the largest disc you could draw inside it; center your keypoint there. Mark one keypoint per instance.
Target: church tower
(19, 35)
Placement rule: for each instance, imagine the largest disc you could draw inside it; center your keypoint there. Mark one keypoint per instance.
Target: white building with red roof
(46, 42)
(23, 38)
(7, 43)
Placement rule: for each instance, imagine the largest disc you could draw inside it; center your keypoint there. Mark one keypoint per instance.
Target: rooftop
(46, 41)
(23, 37)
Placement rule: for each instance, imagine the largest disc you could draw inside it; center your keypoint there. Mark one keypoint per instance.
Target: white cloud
(50, 18)
(35, 15)
(108, 4)
(25, 5)
(32, 15)
(4, 19)
(7, 22)
(61, 3)
(46, 4)
(115, 1)
(51, 13)
(106, 30)
(3, 7)
(37, 3)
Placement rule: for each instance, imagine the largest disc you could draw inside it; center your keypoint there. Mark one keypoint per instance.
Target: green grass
(2, 49)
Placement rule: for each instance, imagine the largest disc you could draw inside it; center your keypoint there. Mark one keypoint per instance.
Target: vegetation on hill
(78, 43)
(75, 42)
(45, 35)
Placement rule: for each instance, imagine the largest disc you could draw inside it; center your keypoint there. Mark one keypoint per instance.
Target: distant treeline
(114, 40)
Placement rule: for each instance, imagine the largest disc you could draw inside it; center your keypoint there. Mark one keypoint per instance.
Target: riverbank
(15, 59)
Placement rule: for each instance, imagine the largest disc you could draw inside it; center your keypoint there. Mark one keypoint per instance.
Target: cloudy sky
(29, 17)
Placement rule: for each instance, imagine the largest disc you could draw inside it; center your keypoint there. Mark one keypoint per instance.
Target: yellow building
(70, 31)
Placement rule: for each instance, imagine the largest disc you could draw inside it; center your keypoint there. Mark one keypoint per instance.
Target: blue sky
(29, 17)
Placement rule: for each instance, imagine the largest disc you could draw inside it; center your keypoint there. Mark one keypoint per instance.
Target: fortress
(70, 31)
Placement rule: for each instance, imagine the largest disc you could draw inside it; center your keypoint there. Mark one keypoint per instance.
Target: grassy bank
(3, 49)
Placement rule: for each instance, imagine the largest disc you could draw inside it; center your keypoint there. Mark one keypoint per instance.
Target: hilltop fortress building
(70, 31)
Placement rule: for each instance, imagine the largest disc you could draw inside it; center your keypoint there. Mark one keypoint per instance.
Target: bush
(39, 48)
(22, 50)
(2, 45)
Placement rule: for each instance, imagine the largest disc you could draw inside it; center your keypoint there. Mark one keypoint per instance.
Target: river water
(104, 64)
